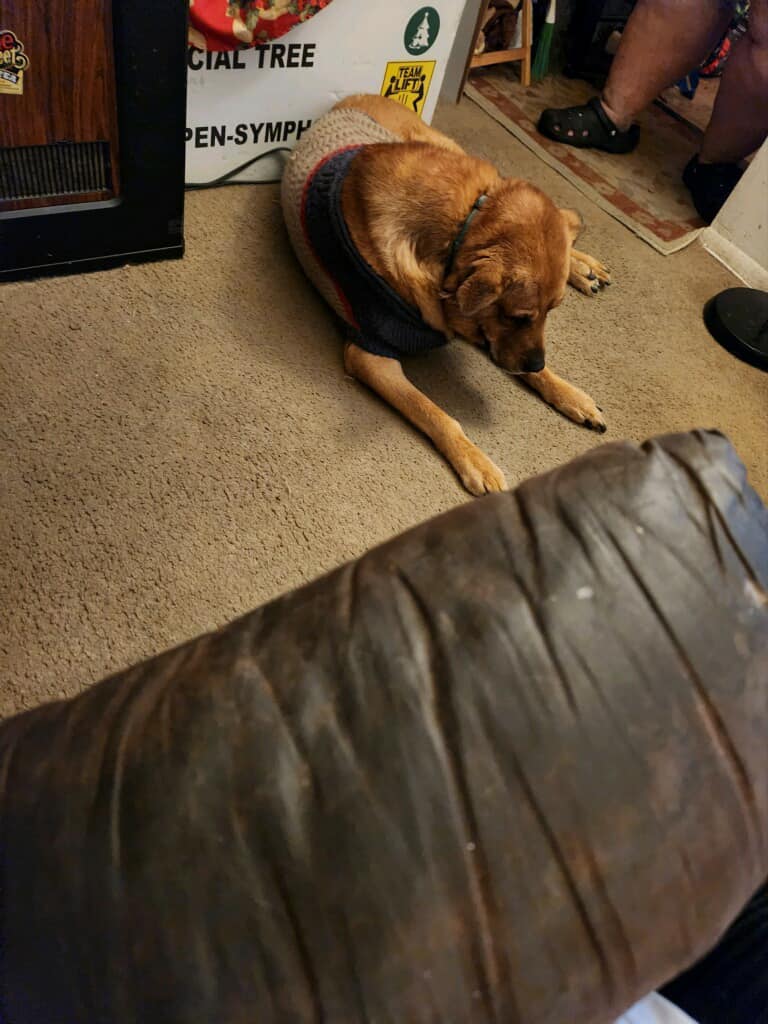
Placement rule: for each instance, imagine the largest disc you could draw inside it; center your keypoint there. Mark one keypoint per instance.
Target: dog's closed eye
(517, 319)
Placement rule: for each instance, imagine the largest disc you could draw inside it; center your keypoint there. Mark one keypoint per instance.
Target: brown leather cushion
(511, 766)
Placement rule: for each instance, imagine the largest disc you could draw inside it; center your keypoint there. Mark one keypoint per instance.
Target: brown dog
(454, 249)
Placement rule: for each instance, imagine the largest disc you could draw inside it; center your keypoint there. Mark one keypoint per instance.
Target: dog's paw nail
(592, 276)
(596, 425)
(595, 289)
(599, 408)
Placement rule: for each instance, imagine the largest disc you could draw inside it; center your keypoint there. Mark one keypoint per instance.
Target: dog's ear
(573, 223)
(481, 287)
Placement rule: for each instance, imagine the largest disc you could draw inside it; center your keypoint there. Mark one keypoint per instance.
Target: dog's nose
(533, 362)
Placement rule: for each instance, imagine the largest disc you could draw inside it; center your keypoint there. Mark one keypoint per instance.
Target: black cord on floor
(225, 179)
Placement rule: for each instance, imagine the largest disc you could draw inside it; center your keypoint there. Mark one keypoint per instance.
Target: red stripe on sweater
(337, 288)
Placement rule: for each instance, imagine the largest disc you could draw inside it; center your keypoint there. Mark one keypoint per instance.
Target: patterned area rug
(642, 189)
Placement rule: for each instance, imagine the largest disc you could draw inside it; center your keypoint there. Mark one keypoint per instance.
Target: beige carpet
(178, 442)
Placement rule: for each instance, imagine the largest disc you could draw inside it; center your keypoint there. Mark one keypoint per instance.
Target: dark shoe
(710, 185)
(588, 127)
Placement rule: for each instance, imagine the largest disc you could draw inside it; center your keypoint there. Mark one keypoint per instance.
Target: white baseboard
(737, 261)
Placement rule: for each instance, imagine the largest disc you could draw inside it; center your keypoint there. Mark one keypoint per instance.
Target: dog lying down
(413, 242)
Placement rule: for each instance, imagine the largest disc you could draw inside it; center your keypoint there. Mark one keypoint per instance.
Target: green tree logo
(421, 31)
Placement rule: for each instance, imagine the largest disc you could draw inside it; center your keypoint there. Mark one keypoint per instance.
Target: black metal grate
(62, 169)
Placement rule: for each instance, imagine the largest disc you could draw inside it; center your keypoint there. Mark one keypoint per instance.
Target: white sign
(246, 104)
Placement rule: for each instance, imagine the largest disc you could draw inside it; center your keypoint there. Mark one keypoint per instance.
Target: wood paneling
(69, 87)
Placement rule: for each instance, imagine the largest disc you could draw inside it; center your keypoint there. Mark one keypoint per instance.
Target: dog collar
(456, 244)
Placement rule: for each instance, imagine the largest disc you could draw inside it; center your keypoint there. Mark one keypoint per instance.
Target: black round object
(738, 319)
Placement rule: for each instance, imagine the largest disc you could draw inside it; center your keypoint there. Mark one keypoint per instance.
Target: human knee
(674, 7)
(757, 55)
(750, 55)
(757, 30)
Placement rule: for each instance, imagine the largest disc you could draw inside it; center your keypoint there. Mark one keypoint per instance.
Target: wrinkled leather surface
(511, 766)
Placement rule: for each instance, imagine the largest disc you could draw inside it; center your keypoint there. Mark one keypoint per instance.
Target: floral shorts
(739, 11)
(740, 19)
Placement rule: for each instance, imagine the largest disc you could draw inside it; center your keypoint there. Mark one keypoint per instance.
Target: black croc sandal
(588, 127)
(710, 185)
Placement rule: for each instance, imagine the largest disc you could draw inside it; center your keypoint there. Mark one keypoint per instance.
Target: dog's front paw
(587, 274)
(579, 407)
(476, 471)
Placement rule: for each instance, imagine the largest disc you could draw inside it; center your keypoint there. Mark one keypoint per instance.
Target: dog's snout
(533, 362)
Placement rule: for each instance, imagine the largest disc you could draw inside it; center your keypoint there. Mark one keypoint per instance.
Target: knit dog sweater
(379, 320)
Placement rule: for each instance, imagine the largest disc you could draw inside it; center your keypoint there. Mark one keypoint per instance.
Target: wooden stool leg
(527, 33)
(521, 53)
(482, 11)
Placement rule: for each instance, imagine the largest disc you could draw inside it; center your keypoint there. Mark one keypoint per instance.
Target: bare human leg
(739, 121)
(663, 40)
